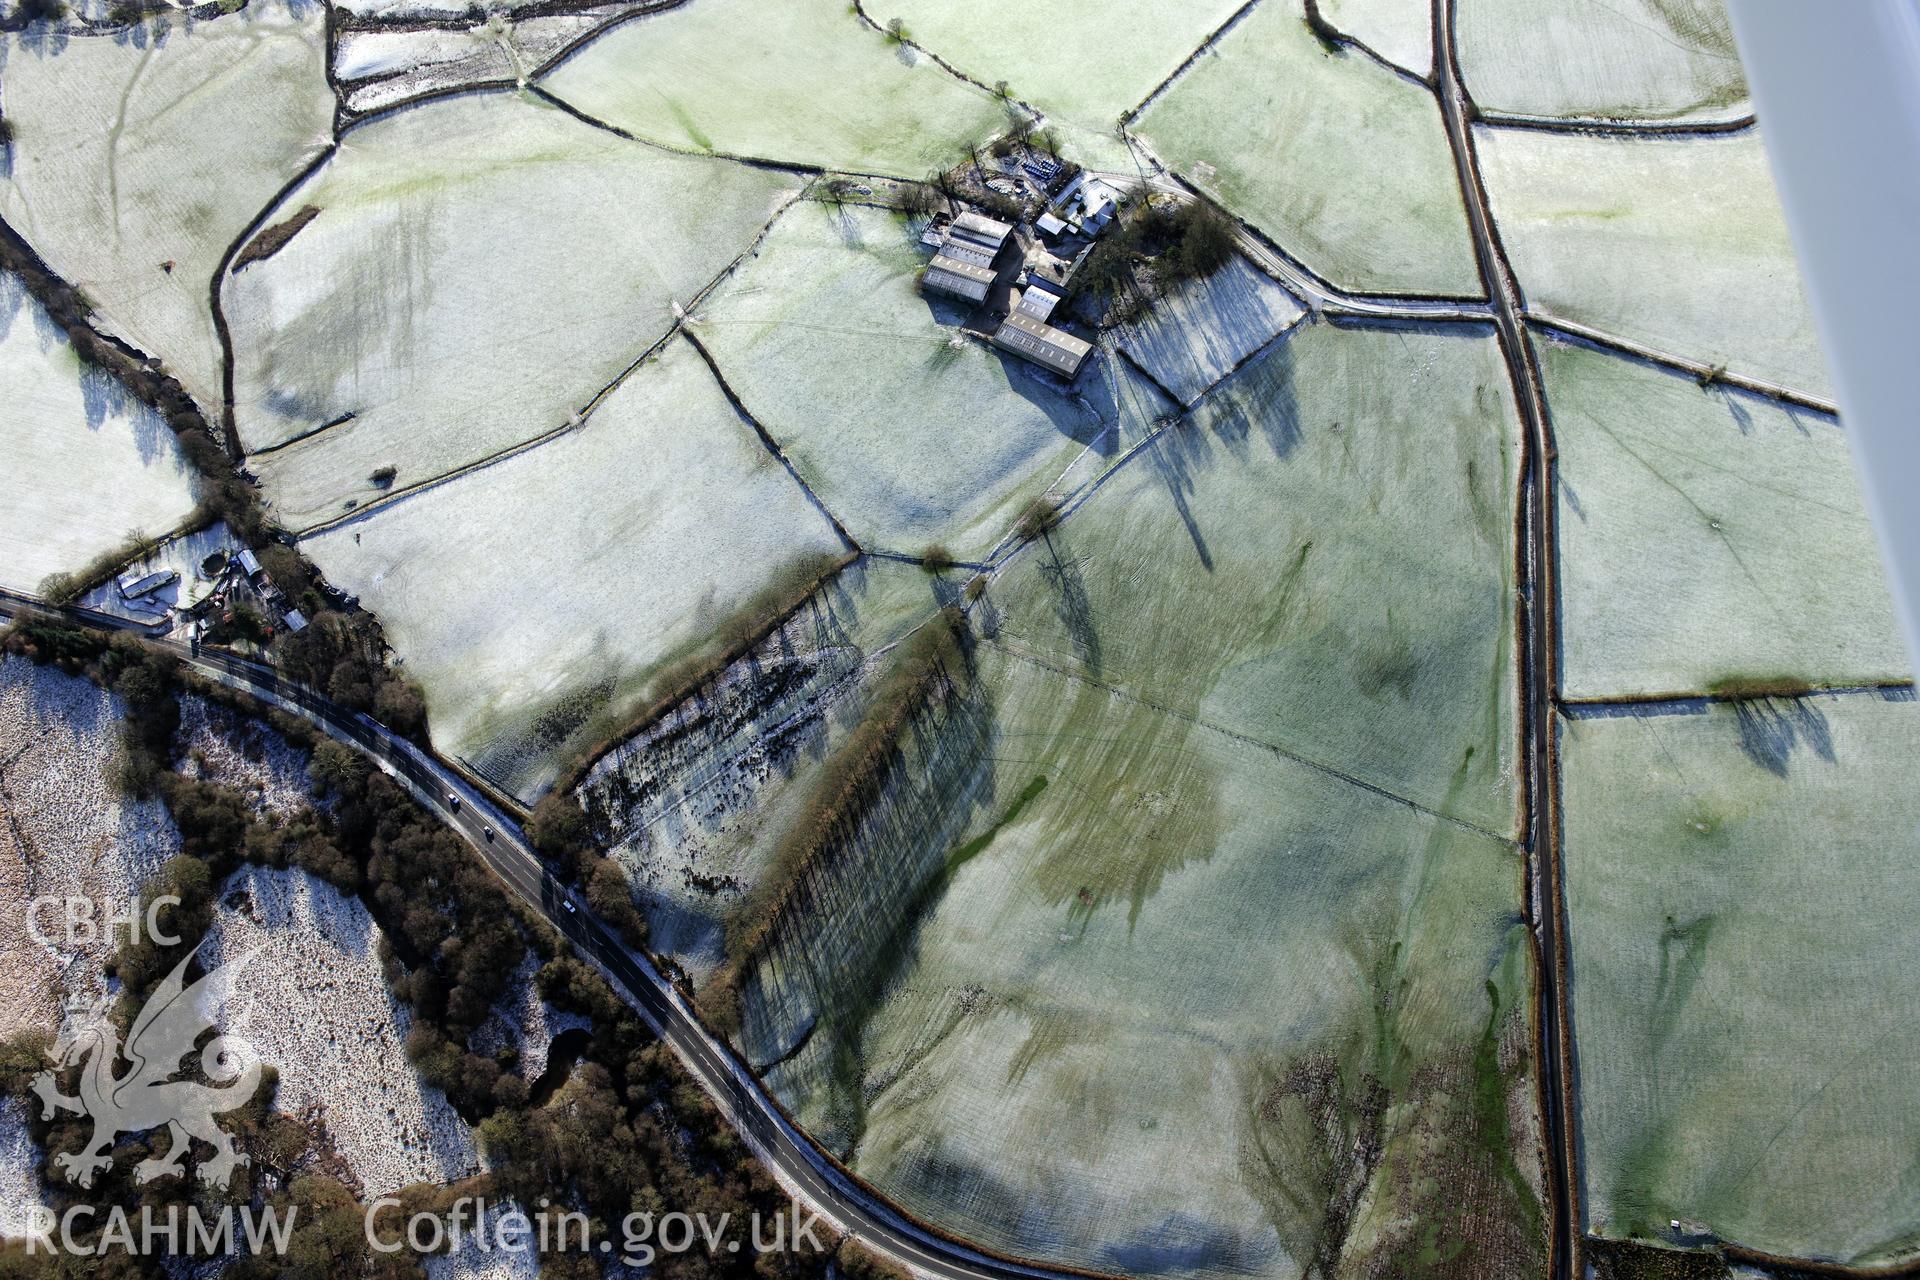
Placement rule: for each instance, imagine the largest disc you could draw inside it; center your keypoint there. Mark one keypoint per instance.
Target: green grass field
(1738, 881)
(1175, 1002)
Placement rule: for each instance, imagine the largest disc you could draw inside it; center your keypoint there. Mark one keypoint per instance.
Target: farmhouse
(964, 256)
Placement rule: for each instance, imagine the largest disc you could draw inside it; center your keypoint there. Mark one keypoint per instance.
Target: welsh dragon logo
(146, 1096)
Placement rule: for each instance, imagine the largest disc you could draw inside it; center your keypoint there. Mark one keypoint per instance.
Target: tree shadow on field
(1772, 728)
(1060, 570)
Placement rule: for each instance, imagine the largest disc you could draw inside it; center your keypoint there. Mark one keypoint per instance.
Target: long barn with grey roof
(1044, 345)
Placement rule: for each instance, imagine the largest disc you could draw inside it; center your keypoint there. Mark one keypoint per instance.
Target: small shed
(133, 586)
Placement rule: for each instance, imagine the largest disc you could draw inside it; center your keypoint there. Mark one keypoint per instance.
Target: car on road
(453, 802)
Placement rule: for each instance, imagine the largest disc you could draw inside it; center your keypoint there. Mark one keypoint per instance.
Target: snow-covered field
(19, 1169)
(537, 600)
(86, 463)
(803, 81)
(1677, 243)
(1271, 123)
(1605, 59)
(65, 830)
(138, 156)
(313, 1002)
(480, 268)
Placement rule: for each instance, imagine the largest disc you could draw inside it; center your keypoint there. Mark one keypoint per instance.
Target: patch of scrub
(1602, 59)
(88, 465)
(797, 81)
(381, 67)
(1197, 333)
(1401, 31)
(1739, 879)
(1077, 71)
(909, 429)
(695, 805)
(1069, 1051)
(480, 269)
(1675, 243)
(224, 747)
(540, 600)
(523, 1022)
(1320, 558)
(65, 831)
(1707, 535)
(1267, 123)
(138, 155)
(313, 1002)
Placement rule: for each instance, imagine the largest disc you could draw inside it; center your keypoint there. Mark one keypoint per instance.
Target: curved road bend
(1539, 597)
(812, 1177)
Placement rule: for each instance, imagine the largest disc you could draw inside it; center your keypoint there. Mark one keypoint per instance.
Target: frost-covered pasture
(435, 311)
(1200, 330)
(540, 600)
(1401, 31)
(1268, 124)
(1707, 535)
(1080, 73)
(1739, 879)
(1675, 243)
(313, 1002)
(912, 432)
(139, 154)
(1356, 483)
(378, 67)
(1652, 60)
(799, 81)
(87, 464)
(1141, 933)
(67, 832)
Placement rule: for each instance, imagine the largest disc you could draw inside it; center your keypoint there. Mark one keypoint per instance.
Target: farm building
(1040, 342)
(1039, 298)
(957, 279)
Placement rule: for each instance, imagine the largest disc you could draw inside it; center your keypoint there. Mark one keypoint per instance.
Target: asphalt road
(1538, 595)
(811, 1176)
